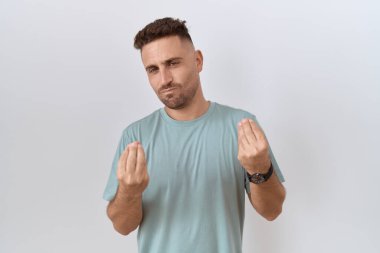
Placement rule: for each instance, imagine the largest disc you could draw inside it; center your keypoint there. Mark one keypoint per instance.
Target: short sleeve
(112, 183)
(276, 168)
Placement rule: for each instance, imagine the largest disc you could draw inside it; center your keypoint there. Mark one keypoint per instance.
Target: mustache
(168, 86)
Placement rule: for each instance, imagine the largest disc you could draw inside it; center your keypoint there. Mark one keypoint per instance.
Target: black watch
(258, 178)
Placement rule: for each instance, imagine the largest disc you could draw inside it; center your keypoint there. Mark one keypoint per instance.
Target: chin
(174, 105)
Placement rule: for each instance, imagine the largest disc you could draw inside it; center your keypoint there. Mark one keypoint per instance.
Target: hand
(253, 147)
(132, 171)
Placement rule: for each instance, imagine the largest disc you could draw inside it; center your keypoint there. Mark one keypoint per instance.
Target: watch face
(257, 178)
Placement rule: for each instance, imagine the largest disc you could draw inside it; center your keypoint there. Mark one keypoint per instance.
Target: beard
(179, 97)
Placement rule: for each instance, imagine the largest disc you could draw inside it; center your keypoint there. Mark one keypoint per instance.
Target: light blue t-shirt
(194, 201)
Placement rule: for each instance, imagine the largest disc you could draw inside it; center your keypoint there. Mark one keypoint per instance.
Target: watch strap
(259, 178)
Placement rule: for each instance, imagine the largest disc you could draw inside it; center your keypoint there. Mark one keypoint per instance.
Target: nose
(166, 76)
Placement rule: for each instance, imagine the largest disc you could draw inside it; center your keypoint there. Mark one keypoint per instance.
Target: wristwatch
(258, 178)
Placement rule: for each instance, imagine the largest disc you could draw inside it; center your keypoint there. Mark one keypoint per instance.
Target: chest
(191, 159)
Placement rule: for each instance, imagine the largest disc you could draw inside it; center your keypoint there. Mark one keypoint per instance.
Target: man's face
(173, 68)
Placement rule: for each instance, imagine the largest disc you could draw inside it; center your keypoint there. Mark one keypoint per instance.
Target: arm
(125, 210)
(267, 198)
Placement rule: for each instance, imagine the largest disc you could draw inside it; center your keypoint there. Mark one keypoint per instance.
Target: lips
(169, 90)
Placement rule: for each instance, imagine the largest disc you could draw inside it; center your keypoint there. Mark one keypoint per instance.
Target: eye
(152, 70)
(173, 63)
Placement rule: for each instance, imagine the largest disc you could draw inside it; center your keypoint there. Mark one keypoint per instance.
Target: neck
(197, 107)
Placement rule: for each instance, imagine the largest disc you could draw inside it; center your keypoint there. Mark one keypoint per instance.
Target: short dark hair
(161, 28)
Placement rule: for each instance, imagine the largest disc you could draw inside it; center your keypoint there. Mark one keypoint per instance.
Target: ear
(199, 60)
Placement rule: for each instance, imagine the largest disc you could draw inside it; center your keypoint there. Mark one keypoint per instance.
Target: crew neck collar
(198, 120)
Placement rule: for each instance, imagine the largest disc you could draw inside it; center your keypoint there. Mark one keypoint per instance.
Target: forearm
(267, 198)
(125, 212)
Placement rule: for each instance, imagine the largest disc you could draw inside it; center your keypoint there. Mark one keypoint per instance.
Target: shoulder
(142, 124)
(229, 111)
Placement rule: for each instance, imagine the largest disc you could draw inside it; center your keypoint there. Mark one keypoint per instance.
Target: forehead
(162, 49)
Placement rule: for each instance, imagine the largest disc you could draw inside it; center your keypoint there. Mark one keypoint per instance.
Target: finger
(131, 162)
(248, 132)
(121, 165)
(257, 130)
(242, 139)
(141, 162)
(123, 158)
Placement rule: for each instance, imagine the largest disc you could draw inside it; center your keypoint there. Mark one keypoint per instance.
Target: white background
(71, 81)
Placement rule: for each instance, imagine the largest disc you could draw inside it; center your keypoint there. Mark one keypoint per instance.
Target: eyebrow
(164, 62)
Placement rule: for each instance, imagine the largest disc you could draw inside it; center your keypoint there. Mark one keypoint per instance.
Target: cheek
(185, 76)
(153, 83)
(191, 77)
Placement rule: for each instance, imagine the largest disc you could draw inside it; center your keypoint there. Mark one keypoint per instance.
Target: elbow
(118, 225)
(122, 231)
(274, 211)
(270, 213)
(112, 216)
(271, 216)
(121, 228)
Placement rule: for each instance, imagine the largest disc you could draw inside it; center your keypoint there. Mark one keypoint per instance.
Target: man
(180, 173)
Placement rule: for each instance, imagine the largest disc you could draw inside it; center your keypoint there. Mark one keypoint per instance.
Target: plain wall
(71, 81)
